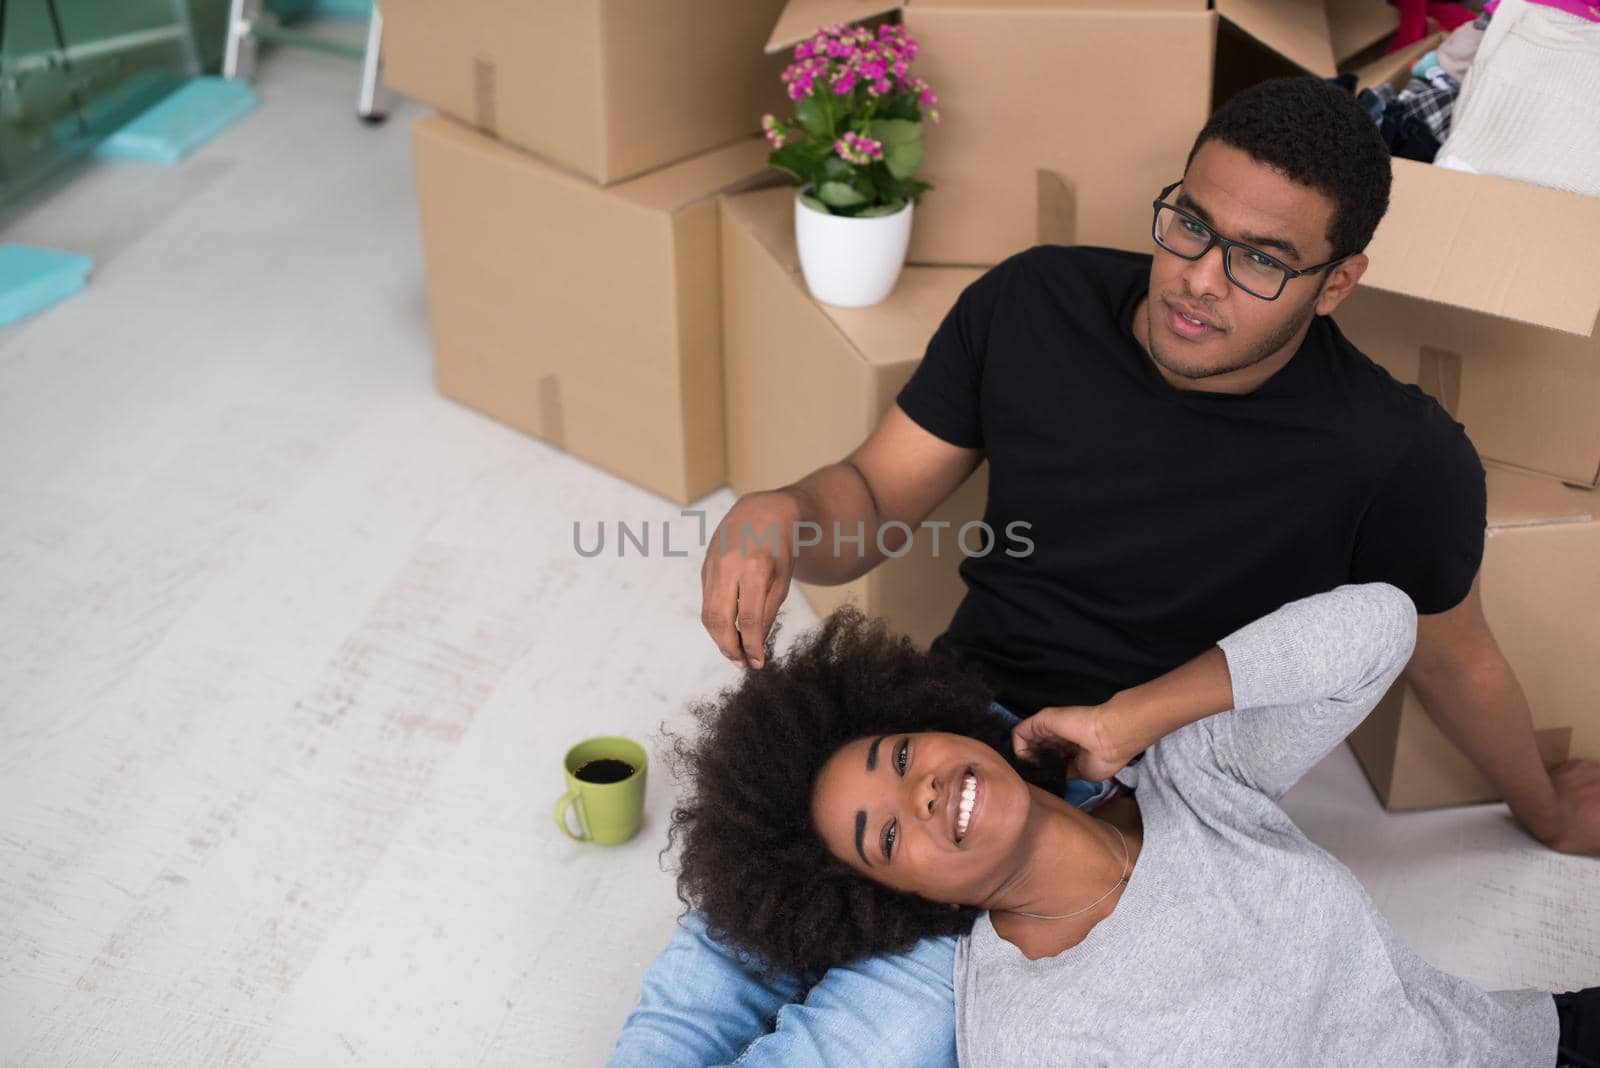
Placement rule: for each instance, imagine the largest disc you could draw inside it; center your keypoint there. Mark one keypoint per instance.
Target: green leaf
(903, 106)
(885, 187)
(880, 209)
(814, 204)
(903, 160)
(794, 160)
(894, 131)
(834, 168)
(814, 117)
(911, 190)
(839, 195)
(902, 145)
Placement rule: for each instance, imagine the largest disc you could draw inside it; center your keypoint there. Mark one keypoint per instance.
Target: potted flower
(853, 147)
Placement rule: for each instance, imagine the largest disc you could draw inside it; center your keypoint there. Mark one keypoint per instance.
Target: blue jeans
(701, 1005)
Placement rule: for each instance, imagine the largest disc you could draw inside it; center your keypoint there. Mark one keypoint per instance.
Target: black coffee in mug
(603, 770)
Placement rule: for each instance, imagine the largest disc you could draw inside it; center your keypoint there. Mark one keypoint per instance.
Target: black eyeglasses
(1250, 269)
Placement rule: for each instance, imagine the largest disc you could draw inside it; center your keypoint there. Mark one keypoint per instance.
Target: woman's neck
(1074, 861)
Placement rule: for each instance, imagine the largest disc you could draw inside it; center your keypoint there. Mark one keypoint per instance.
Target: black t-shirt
(1161, 519)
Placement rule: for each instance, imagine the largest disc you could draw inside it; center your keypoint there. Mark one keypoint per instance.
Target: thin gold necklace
(1120, 883)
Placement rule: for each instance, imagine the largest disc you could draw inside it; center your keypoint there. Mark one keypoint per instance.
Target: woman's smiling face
(937, 815)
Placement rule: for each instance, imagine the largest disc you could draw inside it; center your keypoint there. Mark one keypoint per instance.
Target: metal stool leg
(239, 60)
(373, 104)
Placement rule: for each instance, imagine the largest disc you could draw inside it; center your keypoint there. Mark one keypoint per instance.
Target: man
(1193, 443)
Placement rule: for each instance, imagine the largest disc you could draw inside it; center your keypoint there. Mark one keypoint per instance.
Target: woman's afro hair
(750, 859)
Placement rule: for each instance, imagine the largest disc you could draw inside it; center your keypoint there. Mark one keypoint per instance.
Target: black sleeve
(943, 392)
(1424, 529)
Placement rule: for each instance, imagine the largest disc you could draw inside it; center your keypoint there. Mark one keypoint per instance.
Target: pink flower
(843, 56)
(773, 129)
(858, 148)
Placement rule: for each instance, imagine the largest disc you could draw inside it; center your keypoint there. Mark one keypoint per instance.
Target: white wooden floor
(290, 649)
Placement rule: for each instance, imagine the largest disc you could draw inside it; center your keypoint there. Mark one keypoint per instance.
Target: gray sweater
(1237, 941)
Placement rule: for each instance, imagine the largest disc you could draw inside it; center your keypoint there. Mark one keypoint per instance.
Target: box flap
(1117, 7)
(1508, 248)
(898, 330)
(894, 331)
(1519, 499)
(801, 18)
(1354, 25)
(1295, 29)
(1394, 68)
(698, 177)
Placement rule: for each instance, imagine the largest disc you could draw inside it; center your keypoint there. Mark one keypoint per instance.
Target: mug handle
(562, 805)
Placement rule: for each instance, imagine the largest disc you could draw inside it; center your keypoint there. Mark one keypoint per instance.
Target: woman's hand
(1085, 735)
(1099, 740)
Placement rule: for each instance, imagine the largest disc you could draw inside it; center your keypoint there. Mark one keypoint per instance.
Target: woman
(856, 799)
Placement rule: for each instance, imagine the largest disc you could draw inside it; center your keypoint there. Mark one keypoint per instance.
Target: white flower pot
(850, 263)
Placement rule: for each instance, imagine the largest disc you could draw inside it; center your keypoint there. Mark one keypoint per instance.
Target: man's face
(1245, 200)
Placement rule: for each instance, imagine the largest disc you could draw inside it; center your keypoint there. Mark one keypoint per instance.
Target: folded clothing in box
(1527, 109)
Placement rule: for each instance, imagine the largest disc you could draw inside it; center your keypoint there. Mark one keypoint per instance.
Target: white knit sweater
(1530, 106)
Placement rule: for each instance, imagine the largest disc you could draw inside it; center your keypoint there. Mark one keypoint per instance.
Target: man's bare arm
(900, 473)
(1470, 691)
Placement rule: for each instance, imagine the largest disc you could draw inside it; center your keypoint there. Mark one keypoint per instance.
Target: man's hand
(1084, 735)
(745, 576)
(1576, 828)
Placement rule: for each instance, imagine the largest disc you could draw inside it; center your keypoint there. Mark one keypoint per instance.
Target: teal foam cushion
(182, 122)
(32, 279)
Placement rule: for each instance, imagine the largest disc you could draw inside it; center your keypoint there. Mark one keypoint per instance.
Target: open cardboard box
(608, 88)
(806, 384)
(1541, 594)
(1107, 93)
(1486, 293)
(587, 317)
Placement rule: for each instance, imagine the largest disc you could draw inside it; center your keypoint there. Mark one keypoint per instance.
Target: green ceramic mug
(605, 783)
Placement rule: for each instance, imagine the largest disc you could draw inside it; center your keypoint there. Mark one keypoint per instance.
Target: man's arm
(1471, 693)
(900, 473)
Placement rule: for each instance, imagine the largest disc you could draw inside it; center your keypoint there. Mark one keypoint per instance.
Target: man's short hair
(1314, 133)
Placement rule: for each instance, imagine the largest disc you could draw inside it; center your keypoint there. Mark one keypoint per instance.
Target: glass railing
(72, 71)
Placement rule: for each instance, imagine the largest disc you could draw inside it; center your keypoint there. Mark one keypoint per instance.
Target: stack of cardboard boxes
(569, 214)
(608, 271)
(1484, 292)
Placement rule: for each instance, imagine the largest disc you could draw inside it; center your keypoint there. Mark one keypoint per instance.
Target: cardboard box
(1541, 594)
(609, 88)
(1107, 93)
(588, 317)
(807, 383)
(1484, 292)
